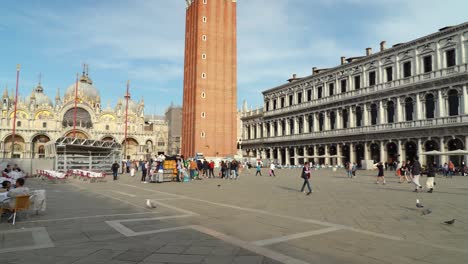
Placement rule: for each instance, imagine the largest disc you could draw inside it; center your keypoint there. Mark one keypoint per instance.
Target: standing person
(354, 169)
(272, 169)
(132, 169)
(228, 169)
(446, 169)
(398, 171)
(306, 176)
(416, 173)
(144, 171)
(205, 168)
(380, 175)
(234, 169)
(115, 169)
(349, 169)
(451, 169)
(180, 165)
(127, 165)
(259, 169)
(223, 169)
(211, 166)
(431, 172)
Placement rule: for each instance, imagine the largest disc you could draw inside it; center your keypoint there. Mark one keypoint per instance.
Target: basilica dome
(86, 91)
(41, 99)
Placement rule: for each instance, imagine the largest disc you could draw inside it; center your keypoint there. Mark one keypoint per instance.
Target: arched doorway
(38, 142)
(359, 153)
(392, 152)
(18, 148)
(78, 134)
(431, 145)
(282, 157)
(300, 152)
(453, 102)
(130, 148)
(411, 149)
(346, 153)
(375, 152)
(430, 106)
(291, 156)
(455, 144)
(108, 139)
(321, 152)
(409, 109)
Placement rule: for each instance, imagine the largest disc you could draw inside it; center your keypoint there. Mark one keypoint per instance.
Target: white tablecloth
(92, 174)
(55, 174)
(16, 174)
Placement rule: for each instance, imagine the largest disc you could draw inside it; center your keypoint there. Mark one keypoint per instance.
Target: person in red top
(306, 176)
(211, 166)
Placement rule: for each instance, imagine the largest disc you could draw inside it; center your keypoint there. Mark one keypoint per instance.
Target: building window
(343, 86)
(374, 112)
(319, 92)
(203, 75)
(409, 109)
(309, 95)
(427, 62)
(203, 114)
(202, 134)
(18, 123)
(450, 58)
(331, 89)
(291, 99)
(267, 106)
(282, 102)
(203, 95)
(371, 78)
(274, 104)
(390, 112)
(389, 73)
(203, 56)
(407, 69)
(321, 121)
(453, 103)
(430, 106)
(107, 127)
(44, 125)
(291, 126)
(204, 19)
(332, 120)
(344, 115)
(358, 116)
(357, 82)
(204, 37)
(299, 98)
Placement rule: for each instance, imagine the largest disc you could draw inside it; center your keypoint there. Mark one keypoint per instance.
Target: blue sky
(143, 41)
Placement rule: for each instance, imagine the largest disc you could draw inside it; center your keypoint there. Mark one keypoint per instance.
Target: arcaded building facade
(390, 105)
(210, 79)
(40, 120)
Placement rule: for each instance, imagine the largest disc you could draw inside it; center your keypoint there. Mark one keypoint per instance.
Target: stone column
(262, 154)
(366, 151)
(288, 127)
(326, 121)
(305, 154)
(327, 153)
(288, 157)
(440, 104)
(339, 119)
(422, 158)
(351, 119)
(418, 109)
(383, 152)
(280, 159)
(398, 115)
(365, 115)
(400, 151)
(296, 125)
(316, 122)
(305, 124)
(264, 129)
(316, 160)
(381, 113)
(280, 128)
(296, 159)
(352, 153)
(339, 153)
(466, 145)
(443, 158)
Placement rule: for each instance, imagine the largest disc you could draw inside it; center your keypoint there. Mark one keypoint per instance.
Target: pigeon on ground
(426, 211)
(149, 204)
(450, 222)
(219, 185)
(418, 204)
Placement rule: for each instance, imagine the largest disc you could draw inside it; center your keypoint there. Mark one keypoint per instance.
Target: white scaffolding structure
(87, 154)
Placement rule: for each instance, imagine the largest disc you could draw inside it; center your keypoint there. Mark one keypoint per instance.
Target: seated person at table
(7, 169)
(20, 190)
(16, 168)
(6, 185)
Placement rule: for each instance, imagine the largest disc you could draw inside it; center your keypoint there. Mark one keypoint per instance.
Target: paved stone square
(250, 220)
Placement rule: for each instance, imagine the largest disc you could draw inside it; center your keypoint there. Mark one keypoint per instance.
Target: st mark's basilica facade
(394, 104)
(39, 121)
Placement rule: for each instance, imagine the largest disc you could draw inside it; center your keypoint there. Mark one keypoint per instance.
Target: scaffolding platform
(85, 154)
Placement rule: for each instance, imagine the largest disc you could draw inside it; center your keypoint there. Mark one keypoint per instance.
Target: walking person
(451, 169)
(431, 172)
(305, 175)
(259, 169)
(380, 175)
(211, 166)
(115, 169)
(272, 169)
(416, 174)
(144, 170)
(349, 169)
(132, 169)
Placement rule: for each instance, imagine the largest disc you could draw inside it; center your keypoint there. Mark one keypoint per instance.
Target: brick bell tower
(209, 116)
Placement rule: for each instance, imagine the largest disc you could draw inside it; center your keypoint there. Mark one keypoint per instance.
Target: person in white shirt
(20, 190)
(272, 169)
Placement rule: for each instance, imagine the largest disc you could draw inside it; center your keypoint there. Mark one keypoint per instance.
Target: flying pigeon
(426, 211)
(149, 204)
(418, 204)
(450, 222)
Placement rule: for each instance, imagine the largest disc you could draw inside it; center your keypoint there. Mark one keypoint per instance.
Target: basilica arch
(38, 145)
(19, 148)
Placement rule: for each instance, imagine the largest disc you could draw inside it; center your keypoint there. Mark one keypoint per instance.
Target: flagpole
(74, 110)
(18, 67)
(127, 96)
